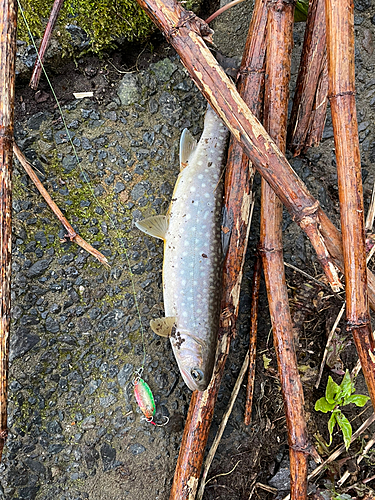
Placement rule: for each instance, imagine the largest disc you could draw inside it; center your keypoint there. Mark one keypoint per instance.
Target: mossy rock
(106, 22)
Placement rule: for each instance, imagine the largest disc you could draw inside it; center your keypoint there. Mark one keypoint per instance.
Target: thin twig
(222, 426)
(37, 71)
(72, 235)
(318, 282)
(222, 9)
(253, 337)
(368, 446)
(329, 341)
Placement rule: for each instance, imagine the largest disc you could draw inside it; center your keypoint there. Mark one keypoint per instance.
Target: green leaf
(345, 427)
(323, 405)
(346, 386)
(300, 13)
(331, 425)
(332, 391)
(357, 399)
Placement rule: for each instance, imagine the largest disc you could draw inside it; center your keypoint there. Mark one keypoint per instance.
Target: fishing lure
(145, 399)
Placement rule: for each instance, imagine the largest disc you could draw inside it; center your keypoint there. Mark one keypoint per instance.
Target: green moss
(103, 20)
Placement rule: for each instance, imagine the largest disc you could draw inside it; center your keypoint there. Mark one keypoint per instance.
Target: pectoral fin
(163, 326)
(187, 146)
(156, 226)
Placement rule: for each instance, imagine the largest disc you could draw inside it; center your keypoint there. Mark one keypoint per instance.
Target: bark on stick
(340, 49)
(279, 48)
(310, 103)
(8, 30)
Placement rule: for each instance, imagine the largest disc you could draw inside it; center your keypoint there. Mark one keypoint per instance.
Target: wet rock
(129, 89)
(21, 342)
(163, 69)
(137, 449)
(108, 455)
(124, 374)
(35, 121)
(38, 268)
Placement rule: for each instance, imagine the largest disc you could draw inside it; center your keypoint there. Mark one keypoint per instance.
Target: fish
(193, 254)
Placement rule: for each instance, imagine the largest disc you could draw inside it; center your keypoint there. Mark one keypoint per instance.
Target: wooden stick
(279, 48)
(253, 337)
(310, 70)
(319, 111)
(340, 51)
(8, 31)
(237, 207)
(223, 424)
(37, 71)
(72, 235)
(186, 33)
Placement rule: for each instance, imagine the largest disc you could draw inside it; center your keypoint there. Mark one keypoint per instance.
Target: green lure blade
(145, 399)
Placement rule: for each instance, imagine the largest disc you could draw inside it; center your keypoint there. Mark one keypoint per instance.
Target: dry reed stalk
(237, 203)
(310, 72)
(72, 235)
(187, 33)
(8, 31)
(278, 63)
(340, 51)
(253, 337)
(37, 71)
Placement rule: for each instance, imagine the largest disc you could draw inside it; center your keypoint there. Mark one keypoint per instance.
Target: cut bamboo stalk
(340, 51)
(278, 64)
(38, 66)
(253, 337)
(237, 204)
(186, 33)
(310, 70)
(8, 31)
(72, 235)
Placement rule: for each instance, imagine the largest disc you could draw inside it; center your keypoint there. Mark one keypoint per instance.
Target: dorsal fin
(163, 326)
(187, 146)
(156, 226)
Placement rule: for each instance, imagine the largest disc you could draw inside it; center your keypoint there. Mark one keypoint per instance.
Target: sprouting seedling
(337, 396)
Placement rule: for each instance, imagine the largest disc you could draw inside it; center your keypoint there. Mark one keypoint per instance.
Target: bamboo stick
(279, 48)
(8, 31)
(253, 337)
(340, 50)
(186, 33)
(310, 71)
(237, 225)
(38, 66)
(72, 235)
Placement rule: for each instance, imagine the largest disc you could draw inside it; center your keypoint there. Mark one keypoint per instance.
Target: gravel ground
(75, 429)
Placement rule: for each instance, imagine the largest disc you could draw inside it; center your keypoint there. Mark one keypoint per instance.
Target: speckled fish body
(193, 254)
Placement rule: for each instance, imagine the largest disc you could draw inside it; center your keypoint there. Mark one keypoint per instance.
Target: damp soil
(248, 459)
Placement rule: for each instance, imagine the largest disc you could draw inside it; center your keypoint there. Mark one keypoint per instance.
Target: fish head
(195, 359)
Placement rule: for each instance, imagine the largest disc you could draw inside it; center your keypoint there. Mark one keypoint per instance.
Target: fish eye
(197, 374)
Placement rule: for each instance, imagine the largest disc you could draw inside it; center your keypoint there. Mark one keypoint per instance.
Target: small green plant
(336, 397)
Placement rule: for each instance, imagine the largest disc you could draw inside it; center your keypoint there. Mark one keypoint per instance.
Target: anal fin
(163, 326)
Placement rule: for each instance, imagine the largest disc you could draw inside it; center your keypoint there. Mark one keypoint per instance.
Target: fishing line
(87, 180)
